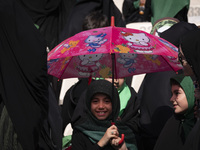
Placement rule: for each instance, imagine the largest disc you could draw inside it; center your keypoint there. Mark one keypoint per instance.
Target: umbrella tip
(112, 21)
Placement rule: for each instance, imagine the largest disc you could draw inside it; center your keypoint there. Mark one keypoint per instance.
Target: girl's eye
(177, 93)
(108, 101)
(94, 101)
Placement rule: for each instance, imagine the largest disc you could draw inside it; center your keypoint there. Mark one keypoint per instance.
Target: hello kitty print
(89, 64)
(138, 41)
(95, 41)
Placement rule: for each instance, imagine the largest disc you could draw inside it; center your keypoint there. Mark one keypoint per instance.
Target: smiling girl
(95, 129)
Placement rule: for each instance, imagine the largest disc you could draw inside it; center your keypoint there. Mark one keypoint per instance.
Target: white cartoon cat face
(128, 55)
(137, 37)
(94, 38)
(91, 57)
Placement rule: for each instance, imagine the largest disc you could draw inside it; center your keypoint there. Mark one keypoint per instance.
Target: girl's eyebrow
(175, 90)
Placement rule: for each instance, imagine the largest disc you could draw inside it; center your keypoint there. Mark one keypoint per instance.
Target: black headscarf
(89, 122)
(23, 73)
(190, 45)
(175, 33)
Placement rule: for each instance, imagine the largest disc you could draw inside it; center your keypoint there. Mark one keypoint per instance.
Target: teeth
(101, 112)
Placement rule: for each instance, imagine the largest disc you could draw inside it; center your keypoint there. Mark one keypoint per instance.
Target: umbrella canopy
(92, 53)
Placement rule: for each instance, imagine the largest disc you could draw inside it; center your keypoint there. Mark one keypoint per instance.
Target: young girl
(177, 128)
(94, 130)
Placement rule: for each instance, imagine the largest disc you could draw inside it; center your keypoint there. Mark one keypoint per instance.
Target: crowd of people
(105, 114)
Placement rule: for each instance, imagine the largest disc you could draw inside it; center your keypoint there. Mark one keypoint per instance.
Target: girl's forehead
(100, 95)
(175, 88)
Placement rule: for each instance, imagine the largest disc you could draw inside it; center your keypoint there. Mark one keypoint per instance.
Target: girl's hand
(111, 132)
(115, 144)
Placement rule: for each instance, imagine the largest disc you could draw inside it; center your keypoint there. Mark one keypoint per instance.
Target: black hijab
(23, 73)
(190, 45)
(175, 33)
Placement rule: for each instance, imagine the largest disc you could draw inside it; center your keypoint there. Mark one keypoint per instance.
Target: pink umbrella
(92, 53)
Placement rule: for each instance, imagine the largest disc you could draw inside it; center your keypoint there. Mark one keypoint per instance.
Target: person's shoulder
(78, 134)
(132, 90)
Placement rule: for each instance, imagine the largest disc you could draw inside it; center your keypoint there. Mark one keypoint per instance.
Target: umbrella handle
(122, 135)
(122, 139)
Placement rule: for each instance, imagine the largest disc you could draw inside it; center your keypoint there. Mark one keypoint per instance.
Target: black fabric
(56, 85)
(155, 93)
(55, 120)
(82, 142)
(173, 136)
(71, 99)
(155, 107)
(180, 28)
(52, 128)
(79, 109)
(83, 8)
(167, 141)
(1, 105)
(182, 15)
(51, 16)
(23, 73)
(193, 140)
(8, 136)
(190, 45)
(130, 115)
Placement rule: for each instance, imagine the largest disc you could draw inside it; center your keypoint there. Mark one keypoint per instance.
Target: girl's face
(178, 99)
(101, 106)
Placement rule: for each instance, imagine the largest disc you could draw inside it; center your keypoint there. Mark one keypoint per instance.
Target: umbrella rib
(65, 68)
(168, 63)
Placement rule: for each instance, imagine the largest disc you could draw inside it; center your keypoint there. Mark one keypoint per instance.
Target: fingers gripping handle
(122, 135)
(122, 139)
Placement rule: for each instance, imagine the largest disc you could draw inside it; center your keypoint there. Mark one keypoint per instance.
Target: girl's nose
(101, 104)
(172, 99)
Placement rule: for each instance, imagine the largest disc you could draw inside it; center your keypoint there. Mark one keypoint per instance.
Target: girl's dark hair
(174, 82)
(95, 19)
